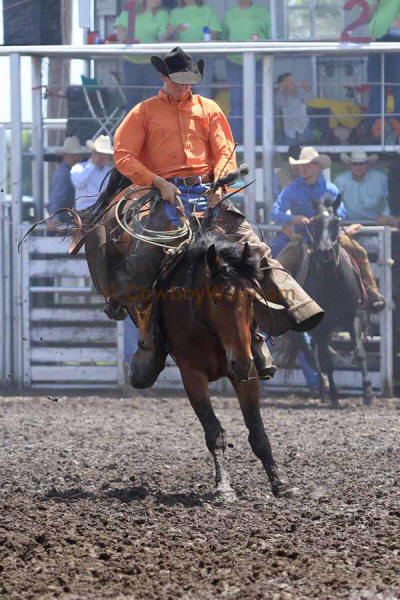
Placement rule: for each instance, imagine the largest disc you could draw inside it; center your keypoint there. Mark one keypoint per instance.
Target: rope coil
(131, 223)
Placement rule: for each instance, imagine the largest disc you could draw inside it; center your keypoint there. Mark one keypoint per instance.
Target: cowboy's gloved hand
(353, 229)
(167, 188)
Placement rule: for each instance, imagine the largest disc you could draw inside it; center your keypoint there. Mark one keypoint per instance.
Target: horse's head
(228, 306)
(324, 230)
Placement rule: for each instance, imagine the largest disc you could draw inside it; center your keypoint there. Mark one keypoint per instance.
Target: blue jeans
(192, 200)
(235, 77)
(310, 375)
(392, 76)
(145, 77)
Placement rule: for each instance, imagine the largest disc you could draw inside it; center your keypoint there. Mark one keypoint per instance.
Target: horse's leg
(249, 399)
(196, 386)
(323, 382)
(356, 332)
(326, 364)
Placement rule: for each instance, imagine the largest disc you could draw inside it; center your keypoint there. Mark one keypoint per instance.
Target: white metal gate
(68, 342)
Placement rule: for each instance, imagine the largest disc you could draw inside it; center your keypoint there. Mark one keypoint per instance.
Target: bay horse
(208, 330)
(334, 283)
(205, 311)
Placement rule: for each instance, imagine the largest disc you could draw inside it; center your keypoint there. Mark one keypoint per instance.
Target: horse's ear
(246, 252)
(212, 257)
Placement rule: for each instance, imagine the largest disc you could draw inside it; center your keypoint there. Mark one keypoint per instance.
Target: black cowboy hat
(179, 67)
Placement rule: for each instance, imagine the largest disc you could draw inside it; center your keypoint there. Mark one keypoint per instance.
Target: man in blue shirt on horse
(295, 206)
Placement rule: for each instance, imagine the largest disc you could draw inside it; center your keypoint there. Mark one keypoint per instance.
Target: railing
(270, 52)
(256, 156)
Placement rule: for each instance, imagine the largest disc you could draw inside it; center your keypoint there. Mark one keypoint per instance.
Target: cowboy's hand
(167, 188)
(353, 229)
(215, 198)
(300, 220)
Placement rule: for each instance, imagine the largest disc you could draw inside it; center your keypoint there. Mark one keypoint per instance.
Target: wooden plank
(46, 354)
(69, 373)
(77, 315)
(59, 267)
(75, 335)
(49, 245)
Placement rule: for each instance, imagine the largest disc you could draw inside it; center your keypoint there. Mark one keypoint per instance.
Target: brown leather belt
(192, 180)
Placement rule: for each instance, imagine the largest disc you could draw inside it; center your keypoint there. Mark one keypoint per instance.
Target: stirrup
(377, 305)
(263, 361)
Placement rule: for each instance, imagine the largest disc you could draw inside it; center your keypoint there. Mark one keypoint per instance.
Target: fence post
(249, 133)
(268, 129)
(386, 320)
(37, 137)
(16, 198)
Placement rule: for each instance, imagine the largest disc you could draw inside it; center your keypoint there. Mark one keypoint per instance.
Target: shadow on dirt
(67, 495)
(188, 500)
(130, 494)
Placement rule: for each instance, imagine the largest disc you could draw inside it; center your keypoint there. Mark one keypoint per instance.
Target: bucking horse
(204, 303)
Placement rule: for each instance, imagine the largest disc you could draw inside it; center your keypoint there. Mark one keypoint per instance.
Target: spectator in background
(90, 176)
(196, 21)
(150, 26)
(285, 173)
(384, 26)
(244, 22)
(364, 190)
(291, 102)
(62, 192)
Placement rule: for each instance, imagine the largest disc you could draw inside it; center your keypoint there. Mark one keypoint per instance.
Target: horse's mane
(233, 265)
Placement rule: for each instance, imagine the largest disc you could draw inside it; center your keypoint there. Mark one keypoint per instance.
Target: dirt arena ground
(107, 498)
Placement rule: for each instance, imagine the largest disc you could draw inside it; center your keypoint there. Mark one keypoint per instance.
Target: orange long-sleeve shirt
(161, 136)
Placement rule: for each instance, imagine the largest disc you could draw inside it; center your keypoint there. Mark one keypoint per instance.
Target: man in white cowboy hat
(177, 142)
(62, 192)
(89, 176)
(364, 190)
(295, 206)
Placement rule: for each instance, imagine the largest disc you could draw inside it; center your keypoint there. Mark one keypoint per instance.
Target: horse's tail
(83, 220)
(77, 230)
(116, 183)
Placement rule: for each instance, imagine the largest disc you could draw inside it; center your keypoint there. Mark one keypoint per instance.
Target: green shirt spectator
(244, 22)
(385, 12)
(188, 22)
(150, 26)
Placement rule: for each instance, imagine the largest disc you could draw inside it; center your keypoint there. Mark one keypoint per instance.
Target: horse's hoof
(368, 400)
(224, 496)
(335, 403)
(283, 490)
